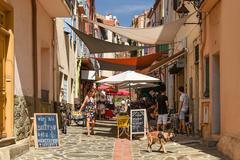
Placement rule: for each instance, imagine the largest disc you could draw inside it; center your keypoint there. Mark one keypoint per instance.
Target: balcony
(81, 7)
(57, 8)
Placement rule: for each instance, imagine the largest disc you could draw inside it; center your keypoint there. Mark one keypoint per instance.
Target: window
(198, 3)
(65, 88)
(2, 19)
(206, 77)
(45, 95)
(162, 48)
(196, 54)
(176, 4)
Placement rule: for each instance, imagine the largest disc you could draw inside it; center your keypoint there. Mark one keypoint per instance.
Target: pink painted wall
(23, 84)
(230, 65)
(45, 39)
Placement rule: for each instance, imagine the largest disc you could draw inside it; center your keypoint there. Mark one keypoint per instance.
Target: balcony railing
(70, 4)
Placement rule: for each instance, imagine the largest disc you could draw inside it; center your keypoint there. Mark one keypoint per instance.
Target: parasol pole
(130, 95)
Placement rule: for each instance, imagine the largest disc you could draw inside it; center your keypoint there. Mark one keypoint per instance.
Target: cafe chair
(122, 125)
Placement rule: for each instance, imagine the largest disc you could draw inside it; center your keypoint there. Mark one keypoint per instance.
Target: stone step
(210, 142)
(7, 141)
(13, 151)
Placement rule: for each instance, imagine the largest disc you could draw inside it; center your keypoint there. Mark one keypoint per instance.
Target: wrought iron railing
(70, 4)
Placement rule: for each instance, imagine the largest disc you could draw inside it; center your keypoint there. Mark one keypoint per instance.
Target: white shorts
(162, 119)
(182, 114)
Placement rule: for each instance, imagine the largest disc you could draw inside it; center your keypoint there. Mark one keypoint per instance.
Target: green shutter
(162, 48)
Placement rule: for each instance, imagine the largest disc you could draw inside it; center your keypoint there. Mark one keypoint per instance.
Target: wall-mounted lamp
(183, 11)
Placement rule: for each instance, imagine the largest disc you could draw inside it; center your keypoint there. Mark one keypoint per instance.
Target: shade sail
(153, 35)
(128, 76)
(100, 46)
(163, 62)
(123, 64)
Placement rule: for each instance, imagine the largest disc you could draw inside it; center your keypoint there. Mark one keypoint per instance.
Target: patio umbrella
(119, 93)
(128, 77)
(105, 87)
(139, 85)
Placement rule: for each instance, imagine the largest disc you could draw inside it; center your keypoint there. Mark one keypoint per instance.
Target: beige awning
(100, 46)
(153, 35)
(61, 47)
(163, 62)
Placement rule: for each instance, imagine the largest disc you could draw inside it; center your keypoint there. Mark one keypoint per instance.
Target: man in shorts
(182, 109)
(162, 106)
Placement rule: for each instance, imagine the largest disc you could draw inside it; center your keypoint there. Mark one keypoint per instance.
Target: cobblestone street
(103, 145)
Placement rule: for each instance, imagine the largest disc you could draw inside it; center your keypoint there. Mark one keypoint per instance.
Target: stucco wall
(212, 31)
(45, 39)
(230, 78)
(211, 46)
(23, 47)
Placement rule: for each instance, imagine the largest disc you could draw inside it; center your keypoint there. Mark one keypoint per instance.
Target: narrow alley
(76, 145)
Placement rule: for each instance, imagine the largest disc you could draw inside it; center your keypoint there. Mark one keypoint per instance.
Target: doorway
(216, 94)
(196, 99)
(3, 40)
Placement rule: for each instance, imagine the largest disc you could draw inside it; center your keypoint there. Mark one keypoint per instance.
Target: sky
(124, 10)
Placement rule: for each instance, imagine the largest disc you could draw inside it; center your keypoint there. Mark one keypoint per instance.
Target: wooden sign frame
(145, 123)
(35, 130)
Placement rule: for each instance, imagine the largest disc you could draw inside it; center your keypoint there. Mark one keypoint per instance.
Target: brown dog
(159, 137)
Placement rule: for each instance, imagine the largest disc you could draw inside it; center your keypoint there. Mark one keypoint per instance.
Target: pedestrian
(90, 108)
(162, 108)
(182, 109)
(151, 110)
(64, 118)
(123, 106)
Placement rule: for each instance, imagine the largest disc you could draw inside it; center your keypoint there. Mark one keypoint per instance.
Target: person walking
(182, 109)
(90, 108)
(162, 107)
(63, 118)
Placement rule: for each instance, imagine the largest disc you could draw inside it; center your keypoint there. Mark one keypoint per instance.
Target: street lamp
(183, 11)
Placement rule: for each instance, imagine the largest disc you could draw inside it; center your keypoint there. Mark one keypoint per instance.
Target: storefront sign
(138, 122)
(88, 75)
(46, 130)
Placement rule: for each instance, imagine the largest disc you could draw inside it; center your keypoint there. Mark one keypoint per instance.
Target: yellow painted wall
(189, 36)
(210, 46)
(9, 69)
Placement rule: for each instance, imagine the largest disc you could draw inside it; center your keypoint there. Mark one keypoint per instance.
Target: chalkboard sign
(138, 122)
(46, 130)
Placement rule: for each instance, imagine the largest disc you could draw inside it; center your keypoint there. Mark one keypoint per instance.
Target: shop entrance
(216, 94)
(3, 48)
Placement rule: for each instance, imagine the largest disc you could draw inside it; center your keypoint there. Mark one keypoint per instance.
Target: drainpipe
(34, 56)
(53, 63)
(203, 40)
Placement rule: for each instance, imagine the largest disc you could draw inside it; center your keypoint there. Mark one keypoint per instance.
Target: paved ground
(103, 145)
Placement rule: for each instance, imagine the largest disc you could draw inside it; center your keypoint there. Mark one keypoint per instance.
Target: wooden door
(2, 85)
